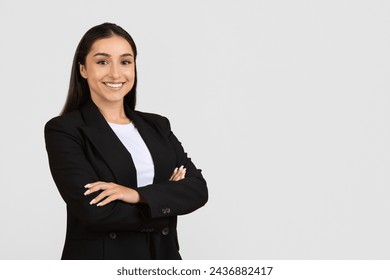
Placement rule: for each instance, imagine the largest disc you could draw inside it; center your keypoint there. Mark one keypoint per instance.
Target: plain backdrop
(283, 104)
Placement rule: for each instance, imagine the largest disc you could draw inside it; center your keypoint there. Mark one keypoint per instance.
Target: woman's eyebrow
(127, 54)
(108, 55)
(102, 54)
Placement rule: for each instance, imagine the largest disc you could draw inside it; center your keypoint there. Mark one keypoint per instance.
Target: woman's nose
(114, 71)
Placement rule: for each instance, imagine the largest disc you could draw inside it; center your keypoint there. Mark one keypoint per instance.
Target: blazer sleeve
(172, 198)
(71, 171)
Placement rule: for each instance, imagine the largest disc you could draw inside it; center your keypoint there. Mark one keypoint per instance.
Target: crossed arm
(111, 191)
(184, 191)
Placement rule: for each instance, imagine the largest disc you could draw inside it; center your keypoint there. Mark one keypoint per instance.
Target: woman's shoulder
(69, 120)
(150, 116)
(154, 119)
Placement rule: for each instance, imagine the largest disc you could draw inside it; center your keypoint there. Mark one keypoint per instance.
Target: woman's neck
(114, 113)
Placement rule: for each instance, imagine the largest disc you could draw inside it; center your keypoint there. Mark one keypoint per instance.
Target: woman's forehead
(112, 46)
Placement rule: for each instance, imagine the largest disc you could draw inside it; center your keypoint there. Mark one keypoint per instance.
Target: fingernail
(87, 192)
(99, 204)
(92, 201)
(86, 186)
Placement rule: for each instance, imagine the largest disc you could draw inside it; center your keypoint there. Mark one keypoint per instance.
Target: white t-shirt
(132, 140)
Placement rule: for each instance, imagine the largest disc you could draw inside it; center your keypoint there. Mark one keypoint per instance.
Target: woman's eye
(126, 62)
(102, 62)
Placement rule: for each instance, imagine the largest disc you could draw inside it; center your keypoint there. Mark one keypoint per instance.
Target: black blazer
(82, 148)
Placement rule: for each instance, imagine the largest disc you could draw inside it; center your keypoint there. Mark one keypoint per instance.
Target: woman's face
(109, 69)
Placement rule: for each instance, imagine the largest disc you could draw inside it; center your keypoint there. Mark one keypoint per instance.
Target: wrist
(137, 197)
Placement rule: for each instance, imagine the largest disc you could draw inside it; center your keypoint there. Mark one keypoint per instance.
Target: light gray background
(283, 104)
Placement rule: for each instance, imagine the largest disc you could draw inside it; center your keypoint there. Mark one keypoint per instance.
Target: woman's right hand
(178, 174)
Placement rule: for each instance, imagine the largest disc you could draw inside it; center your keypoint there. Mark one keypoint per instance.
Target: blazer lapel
(109, 146)
(159, 149)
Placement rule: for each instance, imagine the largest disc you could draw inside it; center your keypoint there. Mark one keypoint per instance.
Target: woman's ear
(83, 71)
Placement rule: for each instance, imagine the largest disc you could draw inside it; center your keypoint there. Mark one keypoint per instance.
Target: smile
(114, 85)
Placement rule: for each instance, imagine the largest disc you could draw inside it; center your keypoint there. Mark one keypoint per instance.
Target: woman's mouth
(114, 85)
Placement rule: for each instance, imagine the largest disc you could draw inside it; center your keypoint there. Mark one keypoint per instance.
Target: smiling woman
(110, 72)
(123, 174)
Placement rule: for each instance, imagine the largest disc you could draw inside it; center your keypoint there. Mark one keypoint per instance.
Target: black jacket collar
(114, 152)
(108, 145)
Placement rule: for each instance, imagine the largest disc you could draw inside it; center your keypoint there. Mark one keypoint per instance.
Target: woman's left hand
(111, 192)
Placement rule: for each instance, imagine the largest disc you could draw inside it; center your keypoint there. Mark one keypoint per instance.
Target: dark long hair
(78, 93)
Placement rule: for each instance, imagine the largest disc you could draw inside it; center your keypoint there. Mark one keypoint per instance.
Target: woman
(123, 174)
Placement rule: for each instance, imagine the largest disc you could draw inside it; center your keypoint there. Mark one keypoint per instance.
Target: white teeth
(114, 85)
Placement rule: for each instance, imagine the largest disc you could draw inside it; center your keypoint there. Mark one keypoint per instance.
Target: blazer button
(166, 210)
(147, 230)
(165, 231)
(112, 235)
